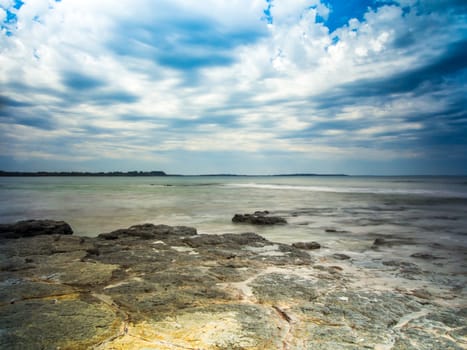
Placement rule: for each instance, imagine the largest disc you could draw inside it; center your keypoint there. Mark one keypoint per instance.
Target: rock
(333, 230)
(422, 293)
(66, 324)
(259, 218)
(150, 231)
(306, 245)
(406, 269)
(31, 228)
(340, 256)
(425, 256)
(276, 287)
(164, 287)
(380, 241)
(392, 241)
(233, 240)
(22, 289)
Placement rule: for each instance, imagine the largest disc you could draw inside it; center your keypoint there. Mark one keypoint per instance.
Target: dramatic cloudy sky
(244, 86)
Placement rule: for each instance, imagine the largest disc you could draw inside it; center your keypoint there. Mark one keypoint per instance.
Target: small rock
(340, 256)
(425, 256)
(306, 245)
(93, 251)
(259, 218)
(380, 241)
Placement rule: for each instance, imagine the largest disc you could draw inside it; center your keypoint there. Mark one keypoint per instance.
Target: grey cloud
(80, 81)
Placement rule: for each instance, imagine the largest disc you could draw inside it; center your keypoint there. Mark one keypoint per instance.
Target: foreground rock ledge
(163, 287)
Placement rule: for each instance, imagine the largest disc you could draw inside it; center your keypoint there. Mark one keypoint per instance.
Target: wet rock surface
(259, 218)
(30, 228)
(307, 245)
(163, 287)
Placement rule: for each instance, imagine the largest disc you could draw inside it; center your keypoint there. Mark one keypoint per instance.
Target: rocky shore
(166, 287)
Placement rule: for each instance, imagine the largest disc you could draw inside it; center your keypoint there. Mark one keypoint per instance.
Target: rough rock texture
(150, 231)
(259, 218)
(30, 228)
(162, 287)
(307, 245)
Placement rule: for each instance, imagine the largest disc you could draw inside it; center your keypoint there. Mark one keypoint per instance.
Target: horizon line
(160, 173)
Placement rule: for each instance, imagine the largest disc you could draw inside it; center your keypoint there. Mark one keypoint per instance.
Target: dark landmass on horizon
(81, 173)
(135, 173)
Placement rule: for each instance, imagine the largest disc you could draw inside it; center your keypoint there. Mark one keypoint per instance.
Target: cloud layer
(371, 87)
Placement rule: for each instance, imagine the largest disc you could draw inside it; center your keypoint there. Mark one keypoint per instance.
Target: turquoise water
(341, 212)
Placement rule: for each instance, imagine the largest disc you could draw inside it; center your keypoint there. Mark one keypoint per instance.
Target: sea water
(343, 213)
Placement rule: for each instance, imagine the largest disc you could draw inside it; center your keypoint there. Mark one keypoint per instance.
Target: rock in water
(306, 245)
(150, 231)
(259, 218)
(31, 228)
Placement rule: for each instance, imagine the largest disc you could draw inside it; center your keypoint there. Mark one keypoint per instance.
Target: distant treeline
(79, 173)
(135, 173)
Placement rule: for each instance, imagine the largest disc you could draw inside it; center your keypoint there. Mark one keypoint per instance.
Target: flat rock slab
(164, 287)
(55, 323)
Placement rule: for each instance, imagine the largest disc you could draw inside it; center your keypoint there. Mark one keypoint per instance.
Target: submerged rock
(306, 245)
(425, 256)
(259, 218)
(29, 228)
(340, 256)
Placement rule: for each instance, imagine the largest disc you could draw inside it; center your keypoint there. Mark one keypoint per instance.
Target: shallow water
(344, 213)
(417, 215)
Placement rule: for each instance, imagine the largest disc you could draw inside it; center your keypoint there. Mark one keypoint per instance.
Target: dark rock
(380, 241)
(425, 256)
(150, 231)
(276, 287)
(385, 242)
(19, 290)
(44, 324)
(233, 240)
(258, 218)
(31, 228)
(333, 230)
(307, 245)
(340, 256)
(407, 270)
(93, 251)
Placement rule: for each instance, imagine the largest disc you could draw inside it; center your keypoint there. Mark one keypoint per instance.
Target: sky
(370, 87)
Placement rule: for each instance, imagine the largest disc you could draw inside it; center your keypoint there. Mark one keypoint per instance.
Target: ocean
(343, 213)
(420, 223)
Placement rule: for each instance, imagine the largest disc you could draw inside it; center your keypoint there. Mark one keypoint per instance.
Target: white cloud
(6, 4)
(268, 83)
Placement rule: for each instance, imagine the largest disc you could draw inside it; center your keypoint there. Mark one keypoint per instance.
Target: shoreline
(165, 287)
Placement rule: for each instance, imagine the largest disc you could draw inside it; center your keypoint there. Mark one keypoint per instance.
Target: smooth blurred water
(341, 212)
